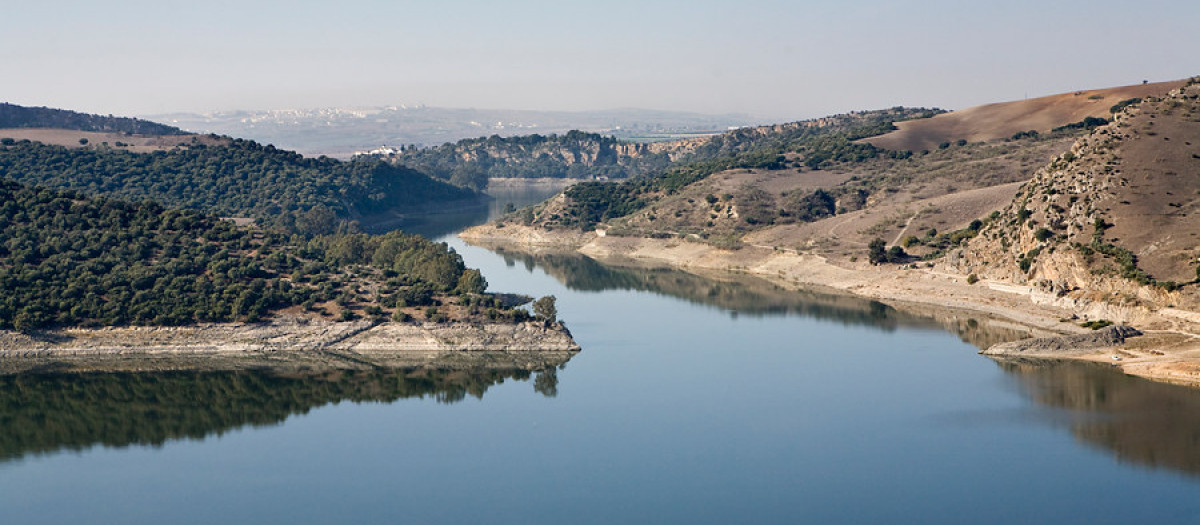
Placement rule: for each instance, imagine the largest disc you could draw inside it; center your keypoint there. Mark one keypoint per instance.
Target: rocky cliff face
(588, 151)
(572, 155)
(1114, 220)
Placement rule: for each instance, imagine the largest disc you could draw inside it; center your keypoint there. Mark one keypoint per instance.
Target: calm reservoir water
(693, 401)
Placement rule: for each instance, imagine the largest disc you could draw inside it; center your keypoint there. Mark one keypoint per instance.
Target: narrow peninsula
(173, 251)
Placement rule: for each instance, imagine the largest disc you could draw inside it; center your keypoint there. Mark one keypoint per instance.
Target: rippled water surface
(694, 401)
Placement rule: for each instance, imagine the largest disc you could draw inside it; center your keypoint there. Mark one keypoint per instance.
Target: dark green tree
(546, 309)
(471, 281)
(877, 251)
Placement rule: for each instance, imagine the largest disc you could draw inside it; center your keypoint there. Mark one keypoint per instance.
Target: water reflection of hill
(435, 225)
(1140, 421)
(446, 222)
(42, 413)
(749, 295)
(744, 295)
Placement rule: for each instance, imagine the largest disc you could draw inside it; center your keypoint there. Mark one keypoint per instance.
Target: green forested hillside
(14, 116)
(70, 259)
(279, 188)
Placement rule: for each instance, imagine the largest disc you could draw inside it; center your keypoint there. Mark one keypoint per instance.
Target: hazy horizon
(449, 108)
(765, 59)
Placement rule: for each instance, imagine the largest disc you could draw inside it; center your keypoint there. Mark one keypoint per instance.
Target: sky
(775, 60)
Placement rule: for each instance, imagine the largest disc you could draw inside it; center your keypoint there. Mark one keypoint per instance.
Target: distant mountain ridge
(14, 116)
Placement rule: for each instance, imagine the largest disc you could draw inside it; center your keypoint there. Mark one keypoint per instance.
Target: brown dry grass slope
(1140, 176)
(137, 143)
(945, 189)
(1002, 120)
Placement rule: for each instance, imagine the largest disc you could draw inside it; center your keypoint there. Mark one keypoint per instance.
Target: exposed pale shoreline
(1169, 351)
(288, 343)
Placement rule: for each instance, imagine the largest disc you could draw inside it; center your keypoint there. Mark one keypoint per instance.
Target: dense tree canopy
(69, 259)
(279, 188)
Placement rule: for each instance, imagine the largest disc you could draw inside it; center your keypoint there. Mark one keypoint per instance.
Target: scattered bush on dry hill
(1113, 218)
(1088, 123)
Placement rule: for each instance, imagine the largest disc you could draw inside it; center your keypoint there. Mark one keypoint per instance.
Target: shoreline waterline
(287, 343)
(1168, 352)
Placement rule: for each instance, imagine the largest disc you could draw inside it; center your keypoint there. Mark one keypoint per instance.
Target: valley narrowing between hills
(1067, 213)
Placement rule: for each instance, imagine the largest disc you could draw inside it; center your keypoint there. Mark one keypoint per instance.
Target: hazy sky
(773, 59)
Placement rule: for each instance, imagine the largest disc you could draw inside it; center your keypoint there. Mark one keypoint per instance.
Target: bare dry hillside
(889, 198)
(1117, 218)
(1002, 120)
(930, 202)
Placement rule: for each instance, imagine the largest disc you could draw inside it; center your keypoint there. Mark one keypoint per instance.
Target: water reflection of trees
(446, 222)
(41, 413)
(742, 294)
(749, 295)
(1139, 421)
(435, 225)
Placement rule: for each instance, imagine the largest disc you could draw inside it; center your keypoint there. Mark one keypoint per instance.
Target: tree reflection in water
(43, 413)
(745, 295)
